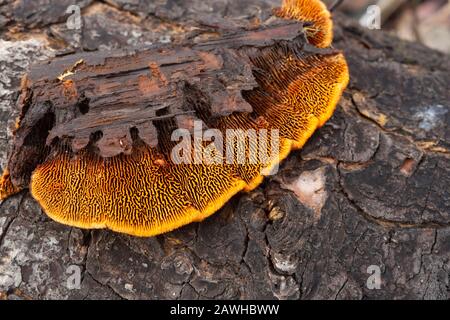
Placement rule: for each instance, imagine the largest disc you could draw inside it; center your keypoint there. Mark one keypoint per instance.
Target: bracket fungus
(94, 141)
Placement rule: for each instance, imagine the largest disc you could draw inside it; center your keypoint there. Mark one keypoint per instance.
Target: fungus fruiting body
(145, 192)
(320, 33)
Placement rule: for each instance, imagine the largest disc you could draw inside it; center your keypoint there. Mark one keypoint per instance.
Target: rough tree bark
(378, 174)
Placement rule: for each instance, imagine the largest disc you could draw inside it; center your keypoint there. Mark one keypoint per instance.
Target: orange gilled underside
(142, 195)
(320, 34)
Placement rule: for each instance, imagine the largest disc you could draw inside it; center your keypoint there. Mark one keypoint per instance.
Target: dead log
(379, 175)
(113, 115)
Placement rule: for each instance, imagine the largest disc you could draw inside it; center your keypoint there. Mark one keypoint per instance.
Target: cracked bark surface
(370, 187)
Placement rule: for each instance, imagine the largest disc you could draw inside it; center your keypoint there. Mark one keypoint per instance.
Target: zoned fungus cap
(141, 195)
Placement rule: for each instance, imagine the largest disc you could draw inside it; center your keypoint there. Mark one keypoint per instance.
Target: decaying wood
(76, 96)
(379, 175)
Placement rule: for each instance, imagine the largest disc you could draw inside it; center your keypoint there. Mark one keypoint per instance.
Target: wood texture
(380, 169)
(75, 97)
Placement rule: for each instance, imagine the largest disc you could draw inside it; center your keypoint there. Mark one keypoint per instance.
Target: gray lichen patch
(23, 260)
(432, 116)
(15, 58)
